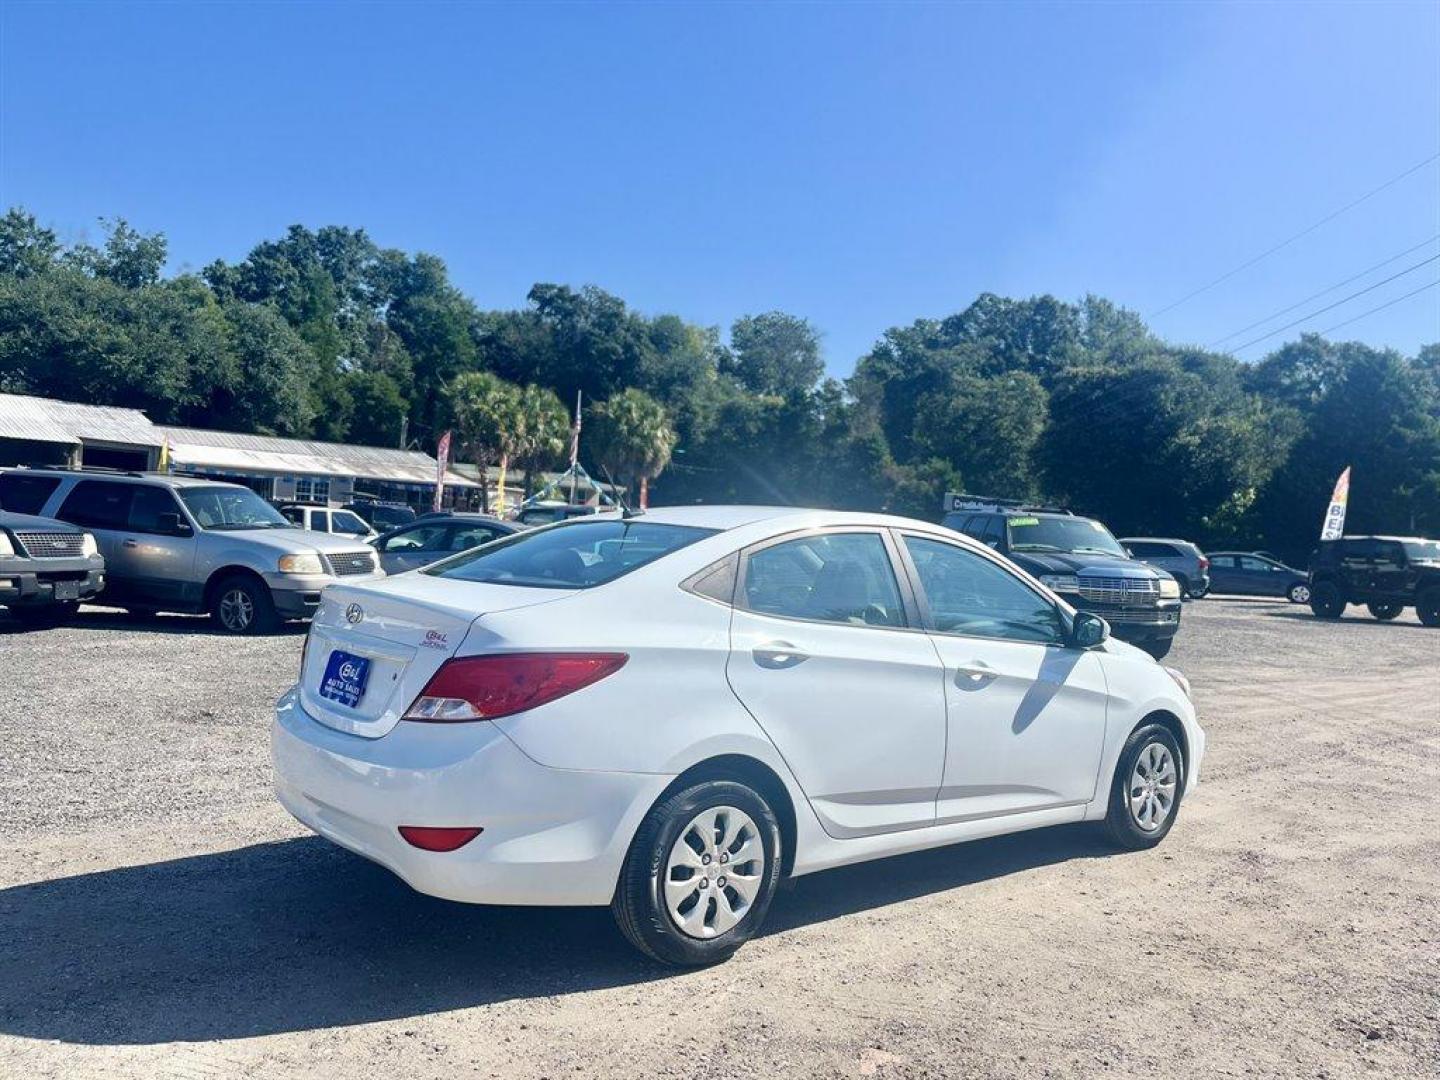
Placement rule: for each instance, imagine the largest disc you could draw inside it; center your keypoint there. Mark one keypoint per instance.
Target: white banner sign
(1334, 526)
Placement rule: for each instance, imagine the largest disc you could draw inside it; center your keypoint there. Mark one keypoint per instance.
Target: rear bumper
(551, 836)
(29, 581)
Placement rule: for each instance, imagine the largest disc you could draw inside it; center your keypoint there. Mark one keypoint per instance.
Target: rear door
(103, 508)
(1025, 714)
(1223, 577)
(827, 656)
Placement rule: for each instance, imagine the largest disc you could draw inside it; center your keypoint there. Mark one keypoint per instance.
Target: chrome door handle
(130, 543)
(974, 673)
(778, 655)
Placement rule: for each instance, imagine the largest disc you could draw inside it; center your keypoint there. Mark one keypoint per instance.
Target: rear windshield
(573, 556)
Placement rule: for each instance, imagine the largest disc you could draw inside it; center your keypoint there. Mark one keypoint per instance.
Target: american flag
(575, 433)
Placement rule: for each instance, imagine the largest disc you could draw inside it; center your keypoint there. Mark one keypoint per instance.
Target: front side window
(1422, 550)
(574, 556)
(149, 505)
(221, 508)
(98, 504)
(1075, 535)
(830, 577)
(1249, 562)
(969, 594)
(21, 494)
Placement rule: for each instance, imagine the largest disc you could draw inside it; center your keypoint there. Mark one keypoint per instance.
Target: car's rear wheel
(1145, 792)
(1159, 648)
(243, 605)
(1326, 601)
(1385, 612)
(1427, 606)
(700, 874)
(1198, 591)
(1299, 593)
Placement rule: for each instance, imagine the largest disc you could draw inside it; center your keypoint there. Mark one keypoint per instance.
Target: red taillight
(431, 839)
(1204, 563)
(486, 687)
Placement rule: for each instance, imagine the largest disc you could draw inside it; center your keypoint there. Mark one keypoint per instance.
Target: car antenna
(626, 510)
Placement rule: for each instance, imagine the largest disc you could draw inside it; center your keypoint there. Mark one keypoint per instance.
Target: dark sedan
(435, 537)
(1247, 573)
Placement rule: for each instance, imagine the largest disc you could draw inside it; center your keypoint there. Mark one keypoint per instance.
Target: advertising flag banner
(163, 465)
(1334, 526)
(442, 460)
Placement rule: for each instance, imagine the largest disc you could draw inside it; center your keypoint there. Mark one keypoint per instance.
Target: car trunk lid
(373, 647)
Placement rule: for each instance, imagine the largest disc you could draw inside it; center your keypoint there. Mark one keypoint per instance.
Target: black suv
(1385, 573)
(1078, 558)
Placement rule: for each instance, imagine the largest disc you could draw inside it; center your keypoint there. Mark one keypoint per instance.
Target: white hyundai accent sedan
(669, 713)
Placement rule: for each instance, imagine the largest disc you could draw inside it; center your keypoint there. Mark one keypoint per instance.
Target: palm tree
(632, 438)
(486, 412)
(543, 428)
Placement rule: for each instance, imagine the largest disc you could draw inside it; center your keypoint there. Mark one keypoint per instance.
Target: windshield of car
(1423, 550)
(231, 508)
(1075, 535)
(571, 556)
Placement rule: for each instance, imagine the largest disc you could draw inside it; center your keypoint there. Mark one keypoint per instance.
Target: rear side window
(98, 504)
(574, 556)
(1144, 549)
(21, 494)
(832, 577)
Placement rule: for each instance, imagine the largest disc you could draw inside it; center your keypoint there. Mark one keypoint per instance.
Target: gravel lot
(161, 916)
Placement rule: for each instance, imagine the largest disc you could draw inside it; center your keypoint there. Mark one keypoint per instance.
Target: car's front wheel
(1326, 601)
(700, 874)
(1145, 794)
(1427, 606)
(1299, 593)
(1385, 612)
(243, 605)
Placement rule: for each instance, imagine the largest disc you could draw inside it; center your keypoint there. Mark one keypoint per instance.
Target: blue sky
(858, 164)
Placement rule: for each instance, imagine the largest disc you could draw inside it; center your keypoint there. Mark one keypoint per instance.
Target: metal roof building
(45, 431)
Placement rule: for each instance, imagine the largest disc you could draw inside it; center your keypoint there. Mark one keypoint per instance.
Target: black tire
(1122, 826)
(639, 908)
(1326, 601)
(1299, 593)
(43, 615)
(1385, 612)
(1428, 607)
(226, 601)
(1159, 648)
(1198, 592)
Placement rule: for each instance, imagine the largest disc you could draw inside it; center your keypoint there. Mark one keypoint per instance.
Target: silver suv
(175, 543)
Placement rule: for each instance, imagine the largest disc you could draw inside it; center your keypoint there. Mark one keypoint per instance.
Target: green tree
(542, 432)
(485, 412)
(986, 428)
(632, 439)
(774, 353)
(26, 248)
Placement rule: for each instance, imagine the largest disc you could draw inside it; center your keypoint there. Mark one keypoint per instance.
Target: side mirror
(1088, 630)
(173, 525)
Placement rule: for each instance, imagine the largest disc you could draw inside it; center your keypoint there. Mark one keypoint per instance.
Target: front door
(1026, 714)
(825, 654)
(157, 562)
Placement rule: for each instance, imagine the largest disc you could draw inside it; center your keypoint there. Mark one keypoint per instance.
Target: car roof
(799, 517)
(1373, 536)
(165, 479)
(1152, 540)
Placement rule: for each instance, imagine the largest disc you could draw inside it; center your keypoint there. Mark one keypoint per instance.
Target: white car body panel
(561, 789)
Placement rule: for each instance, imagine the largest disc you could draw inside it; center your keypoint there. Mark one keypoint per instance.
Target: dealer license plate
(345, 677)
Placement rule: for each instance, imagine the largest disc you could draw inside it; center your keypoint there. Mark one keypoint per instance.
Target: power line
(1337, 303)
(1302, 233)
(1382, 307)
(1322, 292)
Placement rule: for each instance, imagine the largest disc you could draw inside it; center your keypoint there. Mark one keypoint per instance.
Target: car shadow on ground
(1403, 622)
(296, 935)
(88, 618)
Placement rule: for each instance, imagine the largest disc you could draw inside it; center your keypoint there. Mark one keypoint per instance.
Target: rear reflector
(429, 839)
(487, 687)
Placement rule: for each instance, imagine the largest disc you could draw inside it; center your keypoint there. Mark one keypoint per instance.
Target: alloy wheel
(237, 610)
(1152, 786)
(714, 872)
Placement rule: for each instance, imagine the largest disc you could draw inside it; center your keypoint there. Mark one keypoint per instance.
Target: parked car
(669, 713)
(1181, 559)
(1078, 558)
(324, 519)
(1385, 573)
(176, 543)
(1246, 573)
(381, 515)
(46, 567)
(433, 538)
(549, 513)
